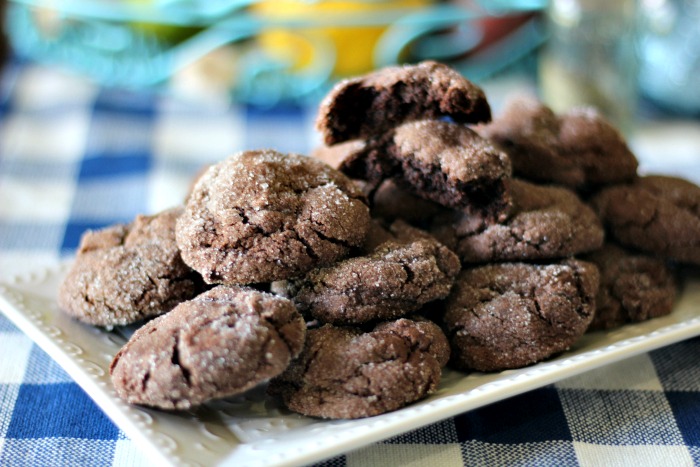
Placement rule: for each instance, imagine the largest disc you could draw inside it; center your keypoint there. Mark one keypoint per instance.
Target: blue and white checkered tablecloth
(73, 156)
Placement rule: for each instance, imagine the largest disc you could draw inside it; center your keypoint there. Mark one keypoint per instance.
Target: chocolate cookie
(346, 373)
(372, 104)
(545, 222)
(443, 162)
(219, 344)
(633, 287)
(579, 149)
(261, 216)
(452, 166)
(397, 277)
(657, 214)
(511, 315)
(126, 273)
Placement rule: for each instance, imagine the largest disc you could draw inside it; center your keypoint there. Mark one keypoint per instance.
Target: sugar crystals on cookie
(261, 216)
(126, 273)
(220, 344)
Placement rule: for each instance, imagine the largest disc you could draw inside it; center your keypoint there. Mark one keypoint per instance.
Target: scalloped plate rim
(355, 433)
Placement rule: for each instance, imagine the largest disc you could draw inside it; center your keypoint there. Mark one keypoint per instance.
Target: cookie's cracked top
(657, 214)
(372, 104)
(545, 222)
(261, 216)
(222, 343)
(128, 272)
(344, 372)
(511, 315)
(579, 149)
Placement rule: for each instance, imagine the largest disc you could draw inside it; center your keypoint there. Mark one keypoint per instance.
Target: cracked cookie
(387, 200)
(633, 287)
(578, 149)
(370, 105)
(126, 273)
(451, 165)
(656, 214)
(344, 372)
(222, 343)
(442, 162)
(544, 222)
(398, 276)
(512, 315)
(261, 216)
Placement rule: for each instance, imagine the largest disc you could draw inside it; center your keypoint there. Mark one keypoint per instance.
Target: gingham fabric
(73, 156)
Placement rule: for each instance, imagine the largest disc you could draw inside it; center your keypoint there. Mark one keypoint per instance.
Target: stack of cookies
(421, 234)
(521, 297)
(652, 222)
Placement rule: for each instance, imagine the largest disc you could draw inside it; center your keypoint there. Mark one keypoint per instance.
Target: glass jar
(669, 72)
(590, 58)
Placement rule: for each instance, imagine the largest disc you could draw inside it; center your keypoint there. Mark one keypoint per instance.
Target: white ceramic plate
(252, 430)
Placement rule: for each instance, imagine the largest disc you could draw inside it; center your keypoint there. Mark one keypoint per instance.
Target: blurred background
(267, 51)
(616, 55)
(636, 60)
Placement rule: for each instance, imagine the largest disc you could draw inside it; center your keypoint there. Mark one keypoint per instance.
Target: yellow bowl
(353, 45)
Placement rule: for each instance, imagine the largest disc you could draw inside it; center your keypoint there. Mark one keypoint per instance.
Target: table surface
(74, 156)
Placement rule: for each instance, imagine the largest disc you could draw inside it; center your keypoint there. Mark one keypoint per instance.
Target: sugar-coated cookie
(451, 165)
(633, 287)
(510, 315)
(442, 162)
(261, 216)
(657, 214)
(126, 273)
(344, 372)
(221, 343)
(579, 149)
(403, 271)
(545, 222)
(371, 104)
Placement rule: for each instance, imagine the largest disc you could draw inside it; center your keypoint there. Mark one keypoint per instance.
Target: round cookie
(346, 373)
(656, 214)
(579, 149)
(545, 222)
(397, 277)
(451, 165)
(261, 216)
(221, 343)
(126, 273)
(370, 105)
(442, 162)
(633, 287)
(512, 315)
